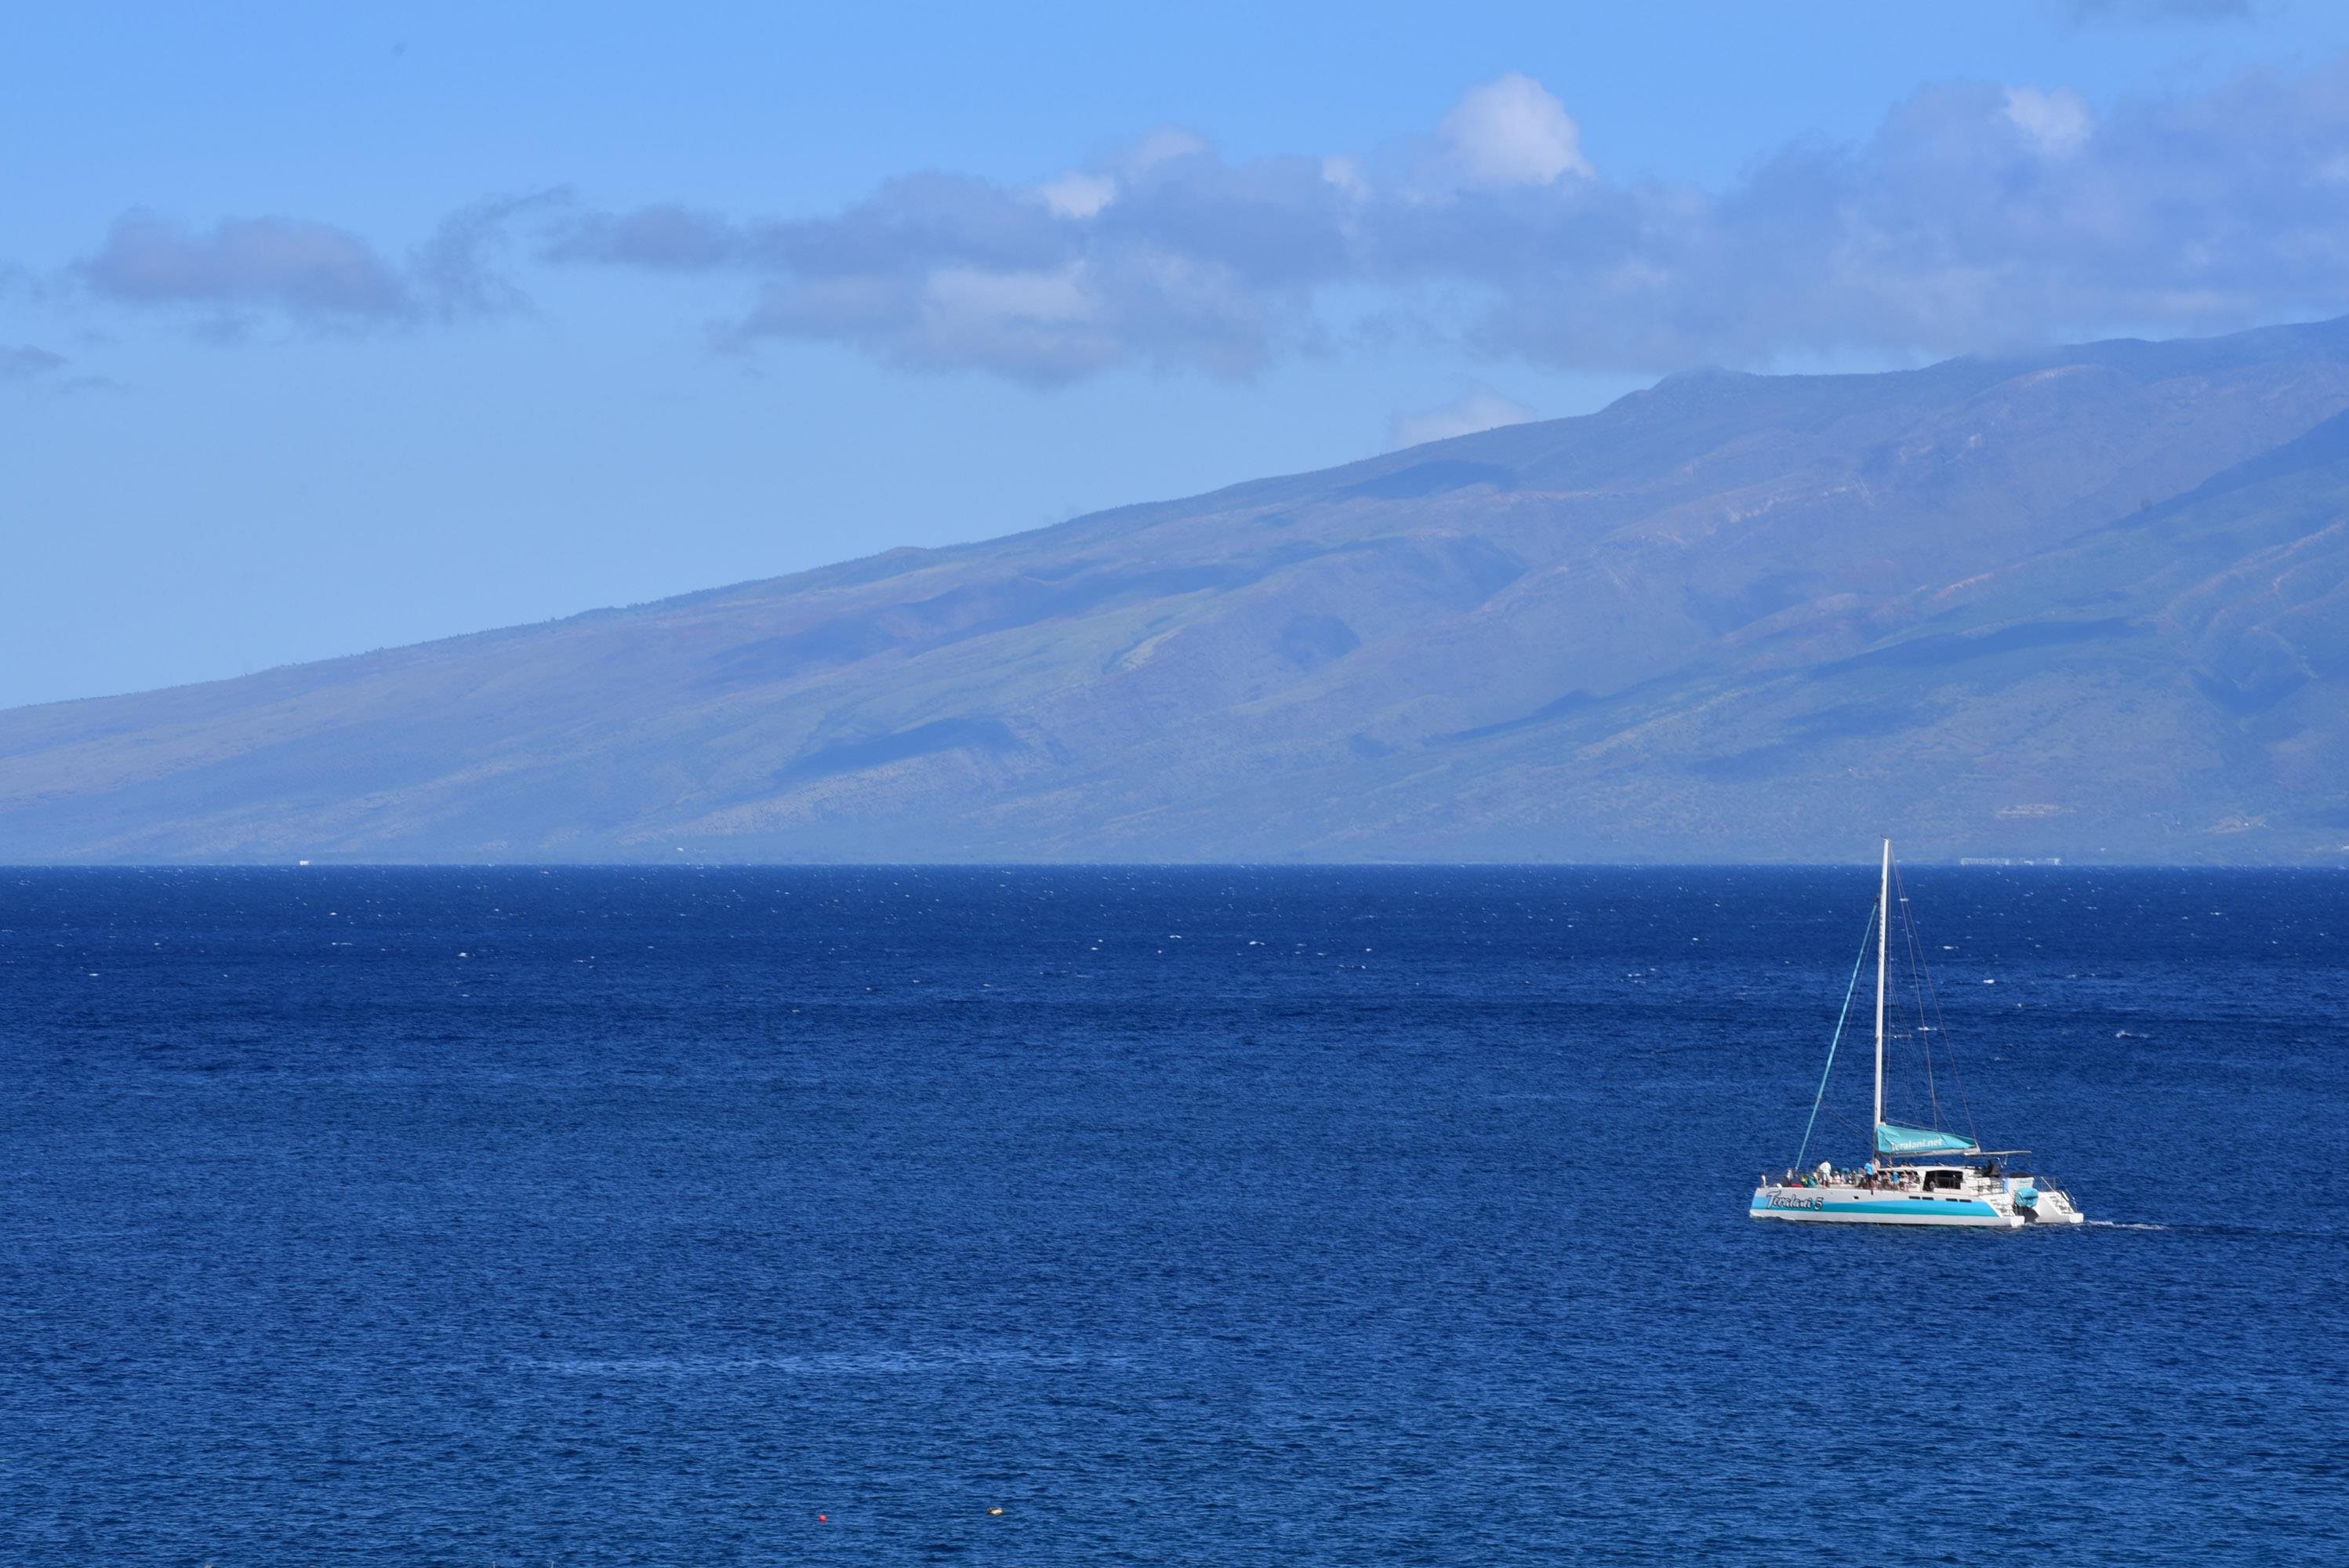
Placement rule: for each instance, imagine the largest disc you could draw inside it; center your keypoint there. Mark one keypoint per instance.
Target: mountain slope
(2087, 603)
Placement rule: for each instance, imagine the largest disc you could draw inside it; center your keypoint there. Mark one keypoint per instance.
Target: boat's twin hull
(1813, 1205)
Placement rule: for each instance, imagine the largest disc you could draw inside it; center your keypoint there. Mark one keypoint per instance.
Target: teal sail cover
(1893, 1138)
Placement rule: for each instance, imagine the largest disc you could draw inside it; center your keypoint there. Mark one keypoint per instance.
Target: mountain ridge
(1690, 625)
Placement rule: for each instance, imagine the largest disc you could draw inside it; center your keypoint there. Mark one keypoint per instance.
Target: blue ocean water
(1186, 1216)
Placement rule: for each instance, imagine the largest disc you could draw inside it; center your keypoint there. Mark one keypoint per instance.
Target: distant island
(2089, 604)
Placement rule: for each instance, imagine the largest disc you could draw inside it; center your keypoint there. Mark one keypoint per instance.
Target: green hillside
(2088, 603)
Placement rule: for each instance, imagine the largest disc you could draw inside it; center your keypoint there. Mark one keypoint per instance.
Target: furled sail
(1893, 1138)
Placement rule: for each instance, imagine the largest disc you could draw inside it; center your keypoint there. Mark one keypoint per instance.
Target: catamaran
(1919, 1175)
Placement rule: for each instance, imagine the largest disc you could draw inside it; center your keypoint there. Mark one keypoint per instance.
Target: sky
(325, 329)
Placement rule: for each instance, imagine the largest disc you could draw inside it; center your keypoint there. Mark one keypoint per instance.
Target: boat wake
(2125, 1225)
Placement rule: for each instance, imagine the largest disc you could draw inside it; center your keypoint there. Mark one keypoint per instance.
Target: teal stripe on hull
(1892, 1211)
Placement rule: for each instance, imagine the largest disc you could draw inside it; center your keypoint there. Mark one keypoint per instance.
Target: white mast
(1883, 930)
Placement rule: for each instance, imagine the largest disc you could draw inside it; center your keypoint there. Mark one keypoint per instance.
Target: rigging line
(1931, 994)
(1917, 997)
(1848, 1124)
(1916, 990)
(1865, 932)
(1949, 1051)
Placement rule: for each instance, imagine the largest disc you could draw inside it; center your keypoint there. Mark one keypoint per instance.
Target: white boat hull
(1984, 1205)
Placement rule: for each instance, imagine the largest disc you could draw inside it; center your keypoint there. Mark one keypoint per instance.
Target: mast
(1883, 926)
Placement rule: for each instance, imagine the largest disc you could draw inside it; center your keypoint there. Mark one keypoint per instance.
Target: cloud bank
(1977, 217)
(310, 272)
(303, 269)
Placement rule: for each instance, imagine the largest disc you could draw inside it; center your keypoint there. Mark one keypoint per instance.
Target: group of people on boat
(1869, 1177)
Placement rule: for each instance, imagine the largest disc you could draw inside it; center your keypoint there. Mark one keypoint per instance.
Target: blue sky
(325, 329)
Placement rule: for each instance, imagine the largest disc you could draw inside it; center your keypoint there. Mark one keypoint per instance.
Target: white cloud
(1346, 174)
(1044, 326)
(1079, 195)
(1511, 131)
(1480, 408)
(1163, 146)
(2056, 124)
(972, 293)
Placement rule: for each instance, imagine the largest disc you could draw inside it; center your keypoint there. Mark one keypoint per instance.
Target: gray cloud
(1195, 263)
(22, 362)
(457, 273)
(308, 269)
(944, 273)
(665, 238)
(2144, 13)
(1976, 217)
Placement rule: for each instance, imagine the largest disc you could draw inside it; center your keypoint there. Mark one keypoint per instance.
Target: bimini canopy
(1893, 1138)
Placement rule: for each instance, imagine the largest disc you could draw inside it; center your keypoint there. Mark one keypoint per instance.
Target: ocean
(1145, 1215)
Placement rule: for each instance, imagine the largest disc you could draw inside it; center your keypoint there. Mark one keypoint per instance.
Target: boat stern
(2046, 1205)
